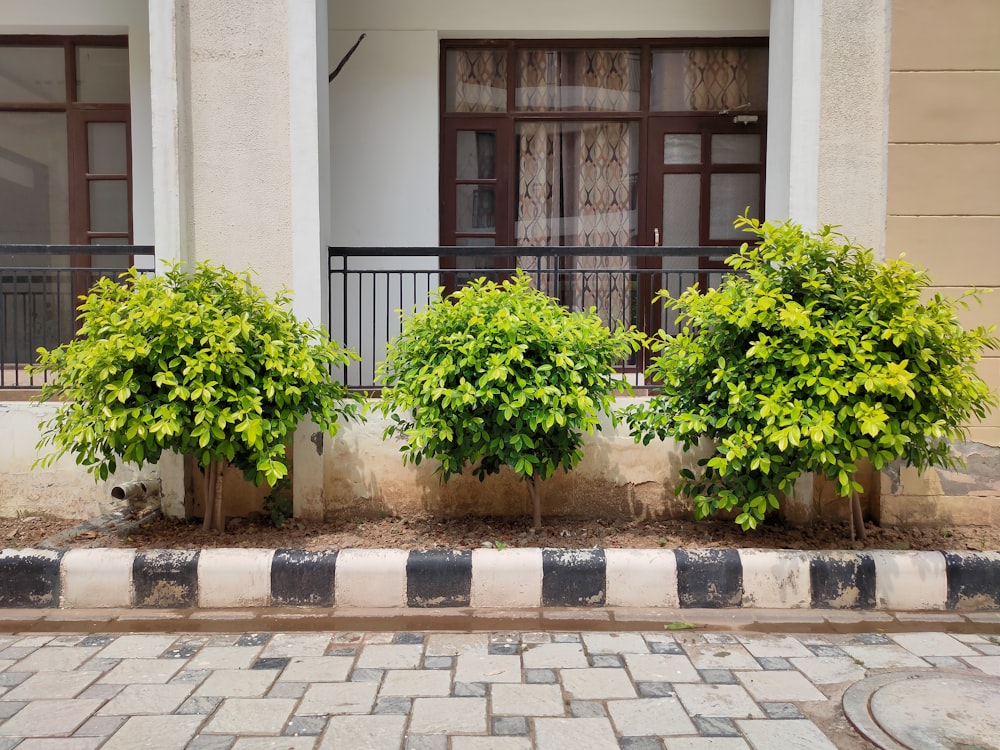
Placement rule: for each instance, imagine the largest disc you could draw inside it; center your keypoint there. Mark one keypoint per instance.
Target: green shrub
(501, 375)
(199, 363)
(816, 358)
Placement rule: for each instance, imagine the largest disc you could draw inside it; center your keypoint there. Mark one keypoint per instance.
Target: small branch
(346, 57)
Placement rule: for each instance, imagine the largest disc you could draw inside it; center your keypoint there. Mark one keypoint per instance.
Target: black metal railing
(372, 288)
(40, 287)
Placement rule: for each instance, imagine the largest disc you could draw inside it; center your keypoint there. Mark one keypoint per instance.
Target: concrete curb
(500, 579)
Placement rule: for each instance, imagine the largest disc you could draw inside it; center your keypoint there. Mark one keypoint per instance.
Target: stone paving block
(296, 644)
(715, 726)
(661, 668)
(270, 743)
(649, 716)
(774, 663)
(720, 656)
(137, 700)
(223, 657)
(68, 743)
(987, 664)
(142, 671)
(827, 649)
(453, 644)
(9, 708)
(238, 683)
(554, 656)
(979, 643)
(883, 657)
(469, 689)
(539, 676)
(246, 640)
(603, 661)
(439, 662)
(138, 646)
(448, 715)
(566, 638)
(781, 710)
(945, 662)
(473, 668)
(641, 743)
(596, 684)
(192, 676)
(100, 726)
(211, 742)
(932, 644)
(773, 646)
(788, 735)
(305, 726)
(490, 743)
(393, 705)
(51, 685)
(416, 683)
(154, 733)
(243, 716)
(827, 670)
(200, 704)
(98, 665)
(705, 743)
(363, 732)
(316, 669)
(338, 698)
(779, 686)
(426, 742)
(54, 659)
(615, 643)
(390, 656)
(509, 726)
(579, 734)
(587, 710)
(527, 700)
(655, 689)
(728, 701)
(367, 675)
(275, 664)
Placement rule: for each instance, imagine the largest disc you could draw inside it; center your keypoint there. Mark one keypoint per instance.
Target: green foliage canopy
(200, 363)
(813, 358)
(501, 375)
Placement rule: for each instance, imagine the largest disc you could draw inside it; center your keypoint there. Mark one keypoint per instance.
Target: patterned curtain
(480, 81)
(715, 78)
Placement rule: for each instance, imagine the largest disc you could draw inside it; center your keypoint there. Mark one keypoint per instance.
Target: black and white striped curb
(509, 578)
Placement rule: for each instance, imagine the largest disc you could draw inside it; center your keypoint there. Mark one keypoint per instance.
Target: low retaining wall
(509, 578)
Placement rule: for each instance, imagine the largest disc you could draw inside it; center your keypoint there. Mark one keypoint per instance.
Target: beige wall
(944, 154)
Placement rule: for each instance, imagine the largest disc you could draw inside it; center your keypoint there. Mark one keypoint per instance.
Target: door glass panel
(102, 75)
(476, 80)
(475, 157)
(32, 74)
(594, 80)
(735, 148)
(731, 195)
(681, 204)
(682, 149)
(475, 208)
(107, 148)
(34, 188)
(709, 79)
(109, 205)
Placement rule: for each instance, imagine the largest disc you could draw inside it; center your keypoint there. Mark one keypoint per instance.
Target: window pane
(102, 75)
(107, 148)
(476, 206)
(732, 194)
(34, 193)
(577, 183)
(32, 74)
(475, 157)
(108, 205)
(681, 204)
(682, 149)
(709, 79)
(578, 80)
(736, 148)
(476, 80)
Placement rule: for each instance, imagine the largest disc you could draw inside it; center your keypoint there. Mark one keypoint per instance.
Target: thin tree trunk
(857, 519)
(209, 498)
(220, 519)
(534, 489)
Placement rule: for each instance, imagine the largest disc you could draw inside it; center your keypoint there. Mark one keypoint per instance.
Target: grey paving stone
(366, 675)
(6, 743)
(581, 734)
(304, 726)
(99, 665)
(336, 650)
(660, 647)
(100, 726)
(784, 734)
(194, 676)
(640, 743)
(438, 662)
(827, 650)
(427, 742)
(539, 676)
(469, 690)
(782, 711)
(718, 638)
(96, 640)
(254, 639)
(287, 690)
(505, 649)
(212, 742)
(200, 704)
(655, 689)
(408, 638)
(715, 726)
(9, 708)
(184, 652)
(606, 660)
(393, 705)
(509, 726)
(565, 637)
(718, 676)
(271, 663)
(586, 710)
(873, 639)
(774, 662)
(10, 679)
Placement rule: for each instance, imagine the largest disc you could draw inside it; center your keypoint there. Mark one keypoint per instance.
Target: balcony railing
(40, 287)
(371, 286)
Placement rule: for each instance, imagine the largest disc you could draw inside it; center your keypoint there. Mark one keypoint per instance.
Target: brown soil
(427, 532)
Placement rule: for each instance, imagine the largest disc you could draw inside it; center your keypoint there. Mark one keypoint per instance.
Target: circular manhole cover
(926, 711)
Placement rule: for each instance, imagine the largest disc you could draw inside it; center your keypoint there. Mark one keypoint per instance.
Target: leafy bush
(199, 363)
(501, 375)
(814, 359)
